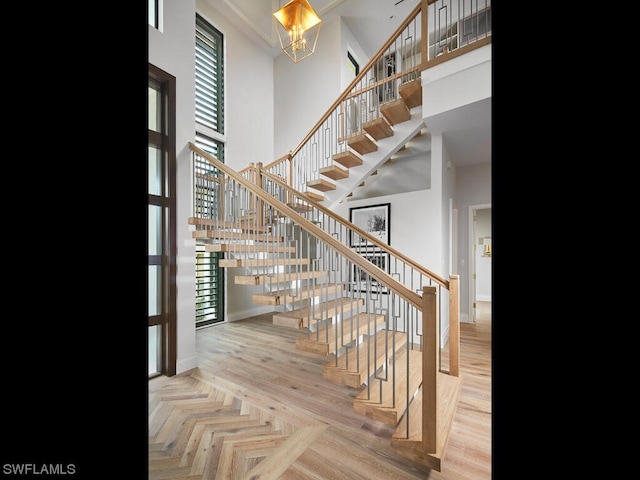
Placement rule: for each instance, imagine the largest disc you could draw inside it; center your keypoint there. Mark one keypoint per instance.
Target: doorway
(480, 270)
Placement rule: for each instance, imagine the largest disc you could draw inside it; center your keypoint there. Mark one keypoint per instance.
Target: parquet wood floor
(257, 408)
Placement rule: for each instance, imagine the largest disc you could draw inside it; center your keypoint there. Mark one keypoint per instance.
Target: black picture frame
(373, 219)
(359, 277)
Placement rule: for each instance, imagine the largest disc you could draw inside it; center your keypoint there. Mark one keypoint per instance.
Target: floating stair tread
(229, 235)
(323, 341)
(327, 309)
(237, 228)
(321, 184)
(260, 262)
(411, 93)
(395, 111)
(354, 377)
(277, 278)
(334, 172)
(362, 144)
(300, 207)
(319, 197)
(448, 393)
(250, 248)
(377, 401)
(348, 159)
(280, 297)
(378, 128)
(214, 223)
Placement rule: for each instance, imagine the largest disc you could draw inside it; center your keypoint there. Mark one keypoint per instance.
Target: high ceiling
(372, 22)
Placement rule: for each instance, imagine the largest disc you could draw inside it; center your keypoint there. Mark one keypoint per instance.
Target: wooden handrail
(387, 248)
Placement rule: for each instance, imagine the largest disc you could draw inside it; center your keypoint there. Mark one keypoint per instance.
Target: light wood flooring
(256, 409)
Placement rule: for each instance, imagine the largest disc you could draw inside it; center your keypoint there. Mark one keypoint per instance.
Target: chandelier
(298, 26)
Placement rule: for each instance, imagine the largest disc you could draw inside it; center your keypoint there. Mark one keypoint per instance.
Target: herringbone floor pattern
(258, 409)
(199, 431)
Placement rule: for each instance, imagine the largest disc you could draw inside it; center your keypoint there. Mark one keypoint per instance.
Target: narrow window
(210, 138)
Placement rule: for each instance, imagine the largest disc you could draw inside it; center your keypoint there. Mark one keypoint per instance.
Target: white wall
(349, 43)
(473, 188)
(304, 91)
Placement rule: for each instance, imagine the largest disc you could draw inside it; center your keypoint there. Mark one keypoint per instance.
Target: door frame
(472, 258)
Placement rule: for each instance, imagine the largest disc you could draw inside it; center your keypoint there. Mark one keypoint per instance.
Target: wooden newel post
(424, 44)
(430, 367)
(454, 325)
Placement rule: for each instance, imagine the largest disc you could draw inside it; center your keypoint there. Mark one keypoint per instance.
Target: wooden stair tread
(377, 401)
(321, 184)
(334, 172)
(448, 393)
(354, 377)
(378, 128)
(323, 341)
(395, 111)
(243, 248)
(279, 297)
(260, 262)
(228, 235)
(277, 278)
(319, 197)
(411, 93)
(348, 159)
(362, 144)
(248, 225)
(300, 207)
(329, 309)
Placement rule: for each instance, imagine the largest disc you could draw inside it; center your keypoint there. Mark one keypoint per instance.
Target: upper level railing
(434, 32)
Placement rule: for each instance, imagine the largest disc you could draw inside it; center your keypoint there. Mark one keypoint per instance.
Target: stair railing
(250, 212)
(434, 32)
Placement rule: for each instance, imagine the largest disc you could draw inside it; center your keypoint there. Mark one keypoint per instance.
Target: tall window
(210, 138)
(161, 188)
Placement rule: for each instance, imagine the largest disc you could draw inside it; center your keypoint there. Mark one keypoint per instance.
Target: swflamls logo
(38, 469)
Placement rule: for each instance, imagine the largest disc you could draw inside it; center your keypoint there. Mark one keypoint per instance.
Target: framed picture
(373, 220)
(359, 277)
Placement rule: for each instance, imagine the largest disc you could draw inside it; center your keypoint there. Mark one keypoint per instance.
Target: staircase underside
(361, 166)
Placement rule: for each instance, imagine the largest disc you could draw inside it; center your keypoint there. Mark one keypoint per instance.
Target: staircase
(364, 350)
(364, 347)
(369, 149)
(294, 249)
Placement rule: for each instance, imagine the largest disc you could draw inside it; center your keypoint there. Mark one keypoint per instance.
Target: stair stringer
(387, 147)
